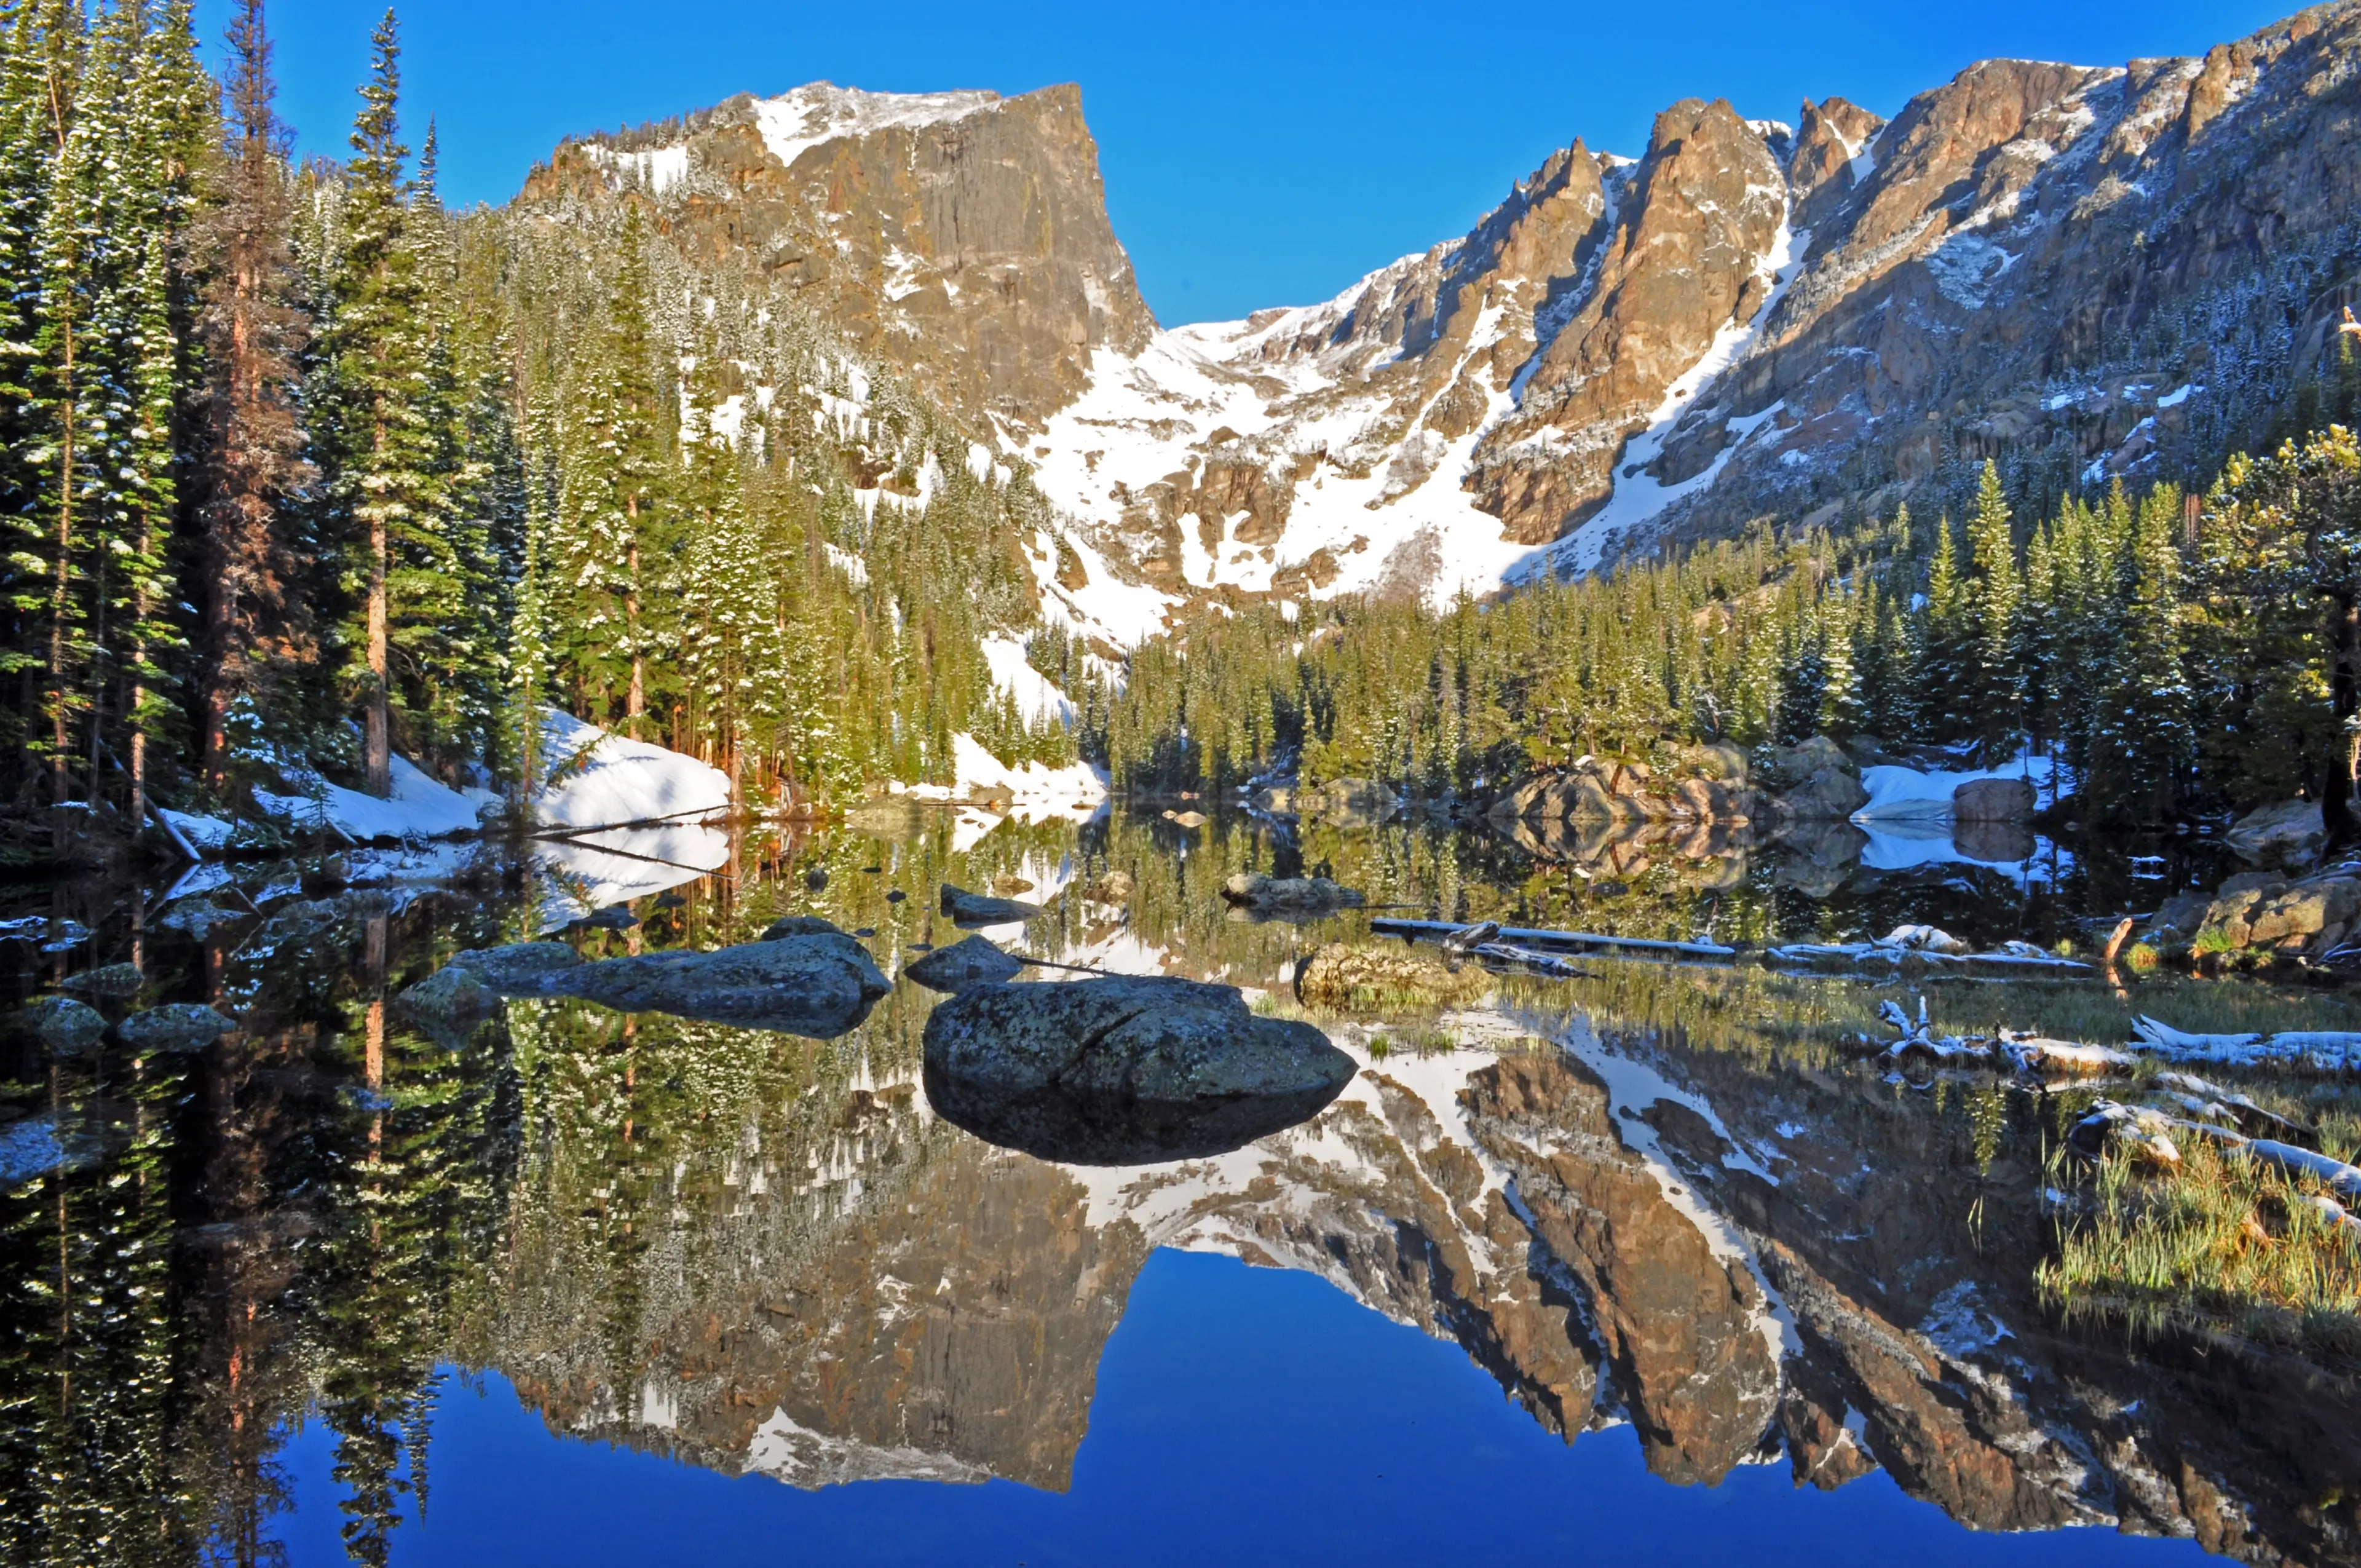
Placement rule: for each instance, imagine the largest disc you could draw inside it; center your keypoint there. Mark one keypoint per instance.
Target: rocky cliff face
(2099, 272)
(959, 239)
(2105, 272)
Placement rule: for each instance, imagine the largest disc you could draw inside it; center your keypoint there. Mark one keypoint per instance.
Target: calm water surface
(1628, 1265)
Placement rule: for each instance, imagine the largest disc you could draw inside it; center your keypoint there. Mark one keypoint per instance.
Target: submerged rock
(1123, 1071)
(817, 986)
(65, 1025)
(114, 981)
(1341, 977)
(967, 908)
(974, 961)
(177, 1026)
(1286, 896)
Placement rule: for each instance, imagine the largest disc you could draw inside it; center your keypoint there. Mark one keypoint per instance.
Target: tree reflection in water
(1652, 1197)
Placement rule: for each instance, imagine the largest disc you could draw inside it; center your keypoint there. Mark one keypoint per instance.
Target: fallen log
(1578, 941)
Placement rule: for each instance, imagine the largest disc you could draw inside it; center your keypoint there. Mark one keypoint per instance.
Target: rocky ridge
(2104, 270)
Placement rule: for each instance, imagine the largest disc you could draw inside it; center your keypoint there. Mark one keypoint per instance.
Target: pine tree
(1997, 690)
(378, 446)
(252, 468)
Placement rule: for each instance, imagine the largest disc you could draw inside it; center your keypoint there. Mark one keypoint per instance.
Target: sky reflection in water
(1242, 1416)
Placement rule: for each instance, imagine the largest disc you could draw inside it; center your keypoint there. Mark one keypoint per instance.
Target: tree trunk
(59, 774)
(377, 757)
(635, 701)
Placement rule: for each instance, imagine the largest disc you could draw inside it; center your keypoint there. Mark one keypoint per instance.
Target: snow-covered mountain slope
(2086, 273)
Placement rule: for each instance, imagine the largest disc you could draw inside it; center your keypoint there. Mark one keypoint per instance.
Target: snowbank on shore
(420, 807)
(1901, 793)
(607, 781)
(1077, 788)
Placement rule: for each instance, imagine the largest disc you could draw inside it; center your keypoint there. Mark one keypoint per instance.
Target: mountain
(2085, 272)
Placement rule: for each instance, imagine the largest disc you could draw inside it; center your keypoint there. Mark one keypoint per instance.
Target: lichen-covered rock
(176, 1026)
(1790, 767)
(817, 986)
(1289, 896)
(967, 908)
(516, 966)
(112, 981)
(65, 1025)
(1125, 1070)
(452, 999)
(974, 961)
(1341, 977)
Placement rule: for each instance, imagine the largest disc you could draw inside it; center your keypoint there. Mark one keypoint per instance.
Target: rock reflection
(761, 1253)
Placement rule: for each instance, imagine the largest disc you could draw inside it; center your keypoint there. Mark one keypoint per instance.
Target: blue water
(1243, 1417)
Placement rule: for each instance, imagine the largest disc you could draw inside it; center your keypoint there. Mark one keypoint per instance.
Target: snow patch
(795, 123)
(618, 781)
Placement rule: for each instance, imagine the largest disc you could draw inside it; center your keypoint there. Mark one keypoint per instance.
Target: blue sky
(1255, 154)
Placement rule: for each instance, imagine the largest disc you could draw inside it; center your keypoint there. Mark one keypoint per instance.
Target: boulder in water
(1287, 897)
(114, 981)
(800, 926)
(967, 908)
(451, 1001)
(176, 1026)
(817, 986)
(2286, 832)
(963, 964)
(1123, 1071)
(65, 1025)
(1993, 800)
(516, 968)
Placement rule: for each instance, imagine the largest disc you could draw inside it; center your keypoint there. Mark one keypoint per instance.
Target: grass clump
(2219, 1247)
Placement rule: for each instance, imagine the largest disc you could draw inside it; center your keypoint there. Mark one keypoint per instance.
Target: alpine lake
(1636, 1261)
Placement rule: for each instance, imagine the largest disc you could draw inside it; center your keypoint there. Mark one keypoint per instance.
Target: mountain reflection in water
(1757, 1274)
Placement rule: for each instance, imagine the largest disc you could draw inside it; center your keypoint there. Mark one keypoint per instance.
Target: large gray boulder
(1831, 795)
(819, 985)
(2284, 833)
(1790, 767)
(1993, 800)
(974, 961)
(518, 967)
(65, 1025)
(114, 982)
(449, 1003)
(1123, 1071)
(175, 1027)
